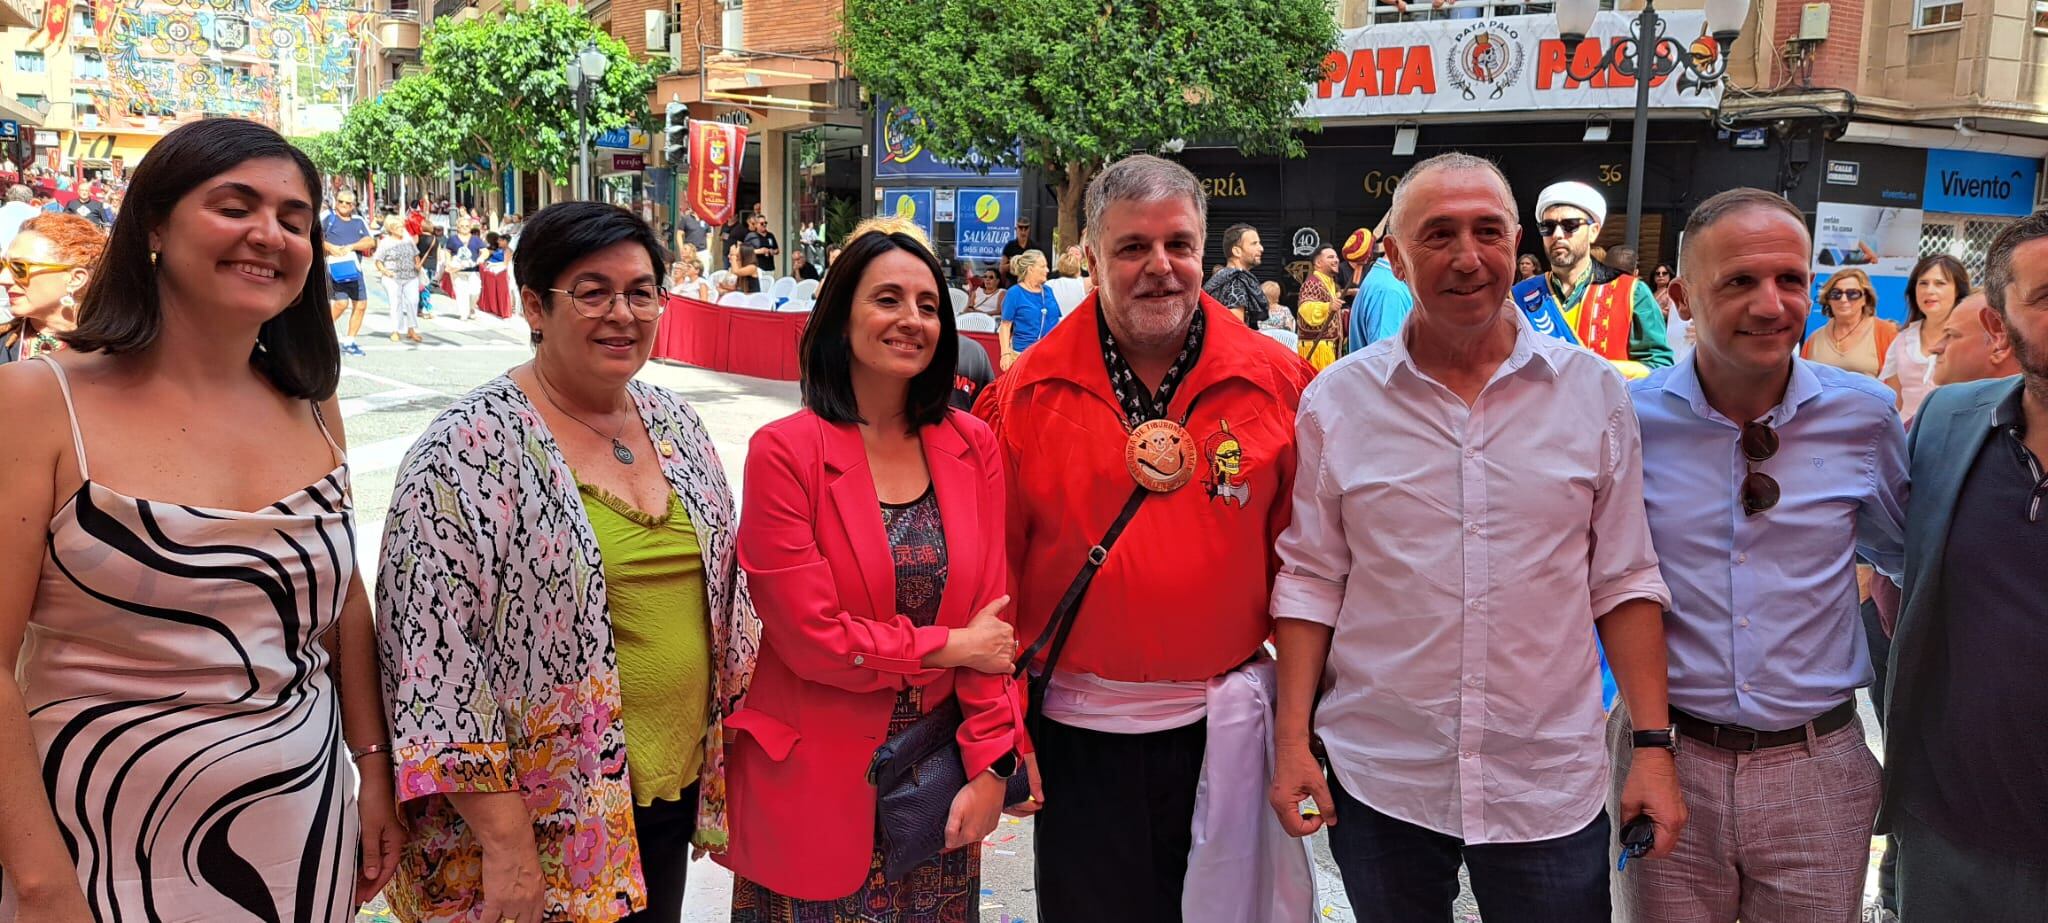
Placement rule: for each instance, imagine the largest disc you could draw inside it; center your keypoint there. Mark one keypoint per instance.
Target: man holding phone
(1766, 477)
(1467, 518)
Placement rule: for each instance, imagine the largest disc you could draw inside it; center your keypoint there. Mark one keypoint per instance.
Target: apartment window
(36, 101)
(29, 62)
(82, 21)
(83, 103)
(2041, 14)
(88, 65)
(1928, 13)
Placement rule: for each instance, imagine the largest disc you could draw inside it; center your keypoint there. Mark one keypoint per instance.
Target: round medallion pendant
(1160, 456)
(620, 452)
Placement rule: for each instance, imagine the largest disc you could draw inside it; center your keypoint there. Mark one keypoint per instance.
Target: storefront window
(1965, 237)
(823, 184)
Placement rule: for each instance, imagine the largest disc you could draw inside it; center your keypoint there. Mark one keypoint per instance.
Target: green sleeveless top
(661, 629)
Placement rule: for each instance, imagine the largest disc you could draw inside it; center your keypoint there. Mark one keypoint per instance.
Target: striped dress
(189, 733)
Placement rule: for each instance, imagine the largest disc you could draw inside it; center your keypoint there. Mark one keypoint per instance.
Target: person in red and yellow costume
(1146, 640)
(1582, 301)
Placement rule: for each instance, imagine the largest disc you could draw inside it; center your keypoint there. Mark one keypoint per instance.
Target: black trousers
(1112, 840)
(663, 831)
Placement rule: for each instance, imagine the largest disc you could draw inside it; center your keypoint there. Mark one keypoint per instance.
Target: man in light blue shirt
(1381, 307)
(1766, 478)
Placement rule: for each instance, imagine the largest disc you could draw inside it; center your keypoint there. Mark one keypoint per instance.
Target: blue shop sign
(1975, 183)
(9, 129)
(915, 205)
(987, 220)
(903, 157)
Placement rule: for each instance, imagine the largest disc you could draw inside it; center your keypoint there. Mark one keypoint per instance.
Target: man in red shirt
(1150, 382)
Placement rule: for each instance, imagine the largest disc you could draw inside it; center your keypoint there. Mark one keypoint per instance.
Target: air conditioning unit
(657, 31)
(733, 27)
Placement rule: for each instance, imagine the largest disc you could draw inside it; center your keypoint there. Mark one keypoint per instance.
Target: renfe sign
(1508, 63)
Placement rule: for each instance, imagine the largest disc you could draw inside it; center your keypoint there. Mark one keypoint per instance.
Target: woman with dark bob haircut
(873, 544)
(564, 626)
(196, 659)
(1933, 289)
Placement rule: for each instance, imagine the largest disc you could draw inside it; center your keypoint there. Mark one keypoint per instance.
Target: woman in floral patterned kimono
(1316, 319)
(564, 626)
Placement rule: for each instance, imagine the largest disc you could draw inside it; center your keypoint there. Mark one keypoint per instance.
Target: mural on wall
(172, 60)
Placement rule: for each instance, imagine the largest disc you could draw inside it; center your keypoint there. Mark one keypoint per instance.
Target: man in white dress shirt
(1468, 512)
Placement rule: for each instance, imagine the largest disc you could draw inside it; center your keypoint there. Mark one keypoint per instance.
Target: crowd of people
(1176, 591)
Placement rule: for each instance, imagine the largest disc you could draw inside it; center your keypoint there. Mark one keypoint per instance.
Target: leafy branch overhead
(497, 87)
(1068, 85)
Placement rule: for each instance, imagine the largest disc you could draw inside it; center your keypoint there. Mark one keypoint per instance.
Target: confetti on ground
(1006, 852)
(1329, 911)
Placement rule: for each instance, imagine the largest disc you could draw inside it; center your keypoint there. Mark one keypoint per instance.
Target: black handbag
(917, 772)
(916, 775)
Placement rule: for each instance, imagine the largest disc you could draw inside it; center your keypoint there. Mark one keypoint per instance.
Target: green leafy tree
(1068, 85)
(503, 82)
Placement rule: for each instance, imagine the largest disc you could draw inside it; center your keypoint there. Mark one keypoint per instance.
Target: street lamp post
(585, 70)
(1645, 53)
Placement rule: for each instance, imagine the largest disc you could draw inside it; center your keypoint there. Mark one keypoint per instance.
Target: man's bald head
(1398, 220)
(1972, 344)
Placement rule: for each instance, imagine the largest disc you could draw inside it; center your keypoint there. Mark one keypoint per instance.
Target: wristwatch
(1665, 738)
(1005, 766)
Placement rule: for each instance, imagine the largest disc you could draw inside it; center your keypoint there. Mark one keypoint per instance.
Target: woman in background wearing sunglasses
(1854, 339)
(42, 272)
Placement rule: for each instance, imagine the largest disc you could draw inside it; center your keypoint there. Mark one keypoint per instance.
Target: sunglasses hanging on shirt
(1759, 490)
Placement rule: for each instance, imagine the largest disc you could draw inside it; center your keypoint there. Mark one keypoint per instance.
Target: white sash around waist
(1242, 864)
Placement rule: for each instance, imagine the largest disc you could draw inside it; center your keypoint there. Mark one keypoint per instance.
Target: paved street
(389, 397)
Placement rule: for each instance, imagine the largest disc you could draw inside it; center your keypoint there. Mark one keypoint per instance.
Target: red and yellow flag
(715, 152)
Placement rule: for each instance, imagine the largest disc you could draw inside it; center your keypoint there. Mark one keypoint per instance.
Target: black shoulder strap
(1066, 613)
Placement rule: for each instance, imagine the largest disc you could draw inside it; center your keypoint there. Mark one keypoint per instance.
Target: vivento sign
(1502, 64)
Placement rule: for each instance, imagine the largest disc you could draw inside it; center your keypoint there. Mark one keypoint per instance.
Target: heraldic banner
(1504, 64)
(715, 152)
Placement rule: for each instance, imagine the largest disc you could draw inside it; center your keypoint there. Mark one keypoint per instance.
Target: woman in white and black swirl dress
(177, 573)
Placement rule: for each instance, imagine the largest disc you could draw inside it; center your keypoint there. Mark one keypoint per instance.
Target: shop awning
(14, 15)
(16, 112)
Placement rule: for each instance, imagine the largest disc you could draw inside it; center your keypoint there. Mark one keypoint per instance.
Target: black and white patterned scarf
(1130, 392)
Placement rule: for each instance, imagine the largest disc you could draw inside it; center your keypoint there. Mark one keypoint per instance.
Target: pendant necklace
(619, 450)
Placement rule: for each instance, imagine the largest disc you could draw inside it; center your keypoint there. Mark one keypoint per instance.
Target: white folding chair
(761, 301)
(807, 290)
(1069, 293)
(797, 306)
(735, 299)
(977, 323)
(959, 296)
(782, 288)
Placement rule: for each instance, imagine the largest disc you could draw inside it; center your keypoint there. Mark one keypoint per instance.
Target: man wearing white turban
(1583, 302)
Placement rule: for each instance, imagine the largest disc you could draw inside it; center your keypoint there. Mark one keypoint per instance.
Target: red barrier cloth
(496, 298)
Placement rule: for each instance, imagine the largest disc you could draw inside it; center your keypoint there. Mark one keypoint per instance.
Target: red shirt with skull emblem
(1183, 595)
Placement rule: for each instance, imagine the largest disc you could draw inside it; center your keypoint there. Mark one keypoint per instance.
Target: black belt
(1742, 739)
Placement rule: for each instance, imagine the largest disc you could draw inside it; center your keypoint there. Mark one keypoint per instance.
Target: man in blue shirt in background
(1383, 300)
(1766, 478)
(348, 239)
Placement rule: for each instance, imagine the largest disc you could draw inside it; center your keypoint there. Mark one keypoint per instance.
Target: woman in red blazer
(872, 540)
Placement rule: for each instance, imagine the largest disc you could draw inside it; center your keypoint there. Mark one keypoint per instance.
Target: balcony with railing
(398, 31)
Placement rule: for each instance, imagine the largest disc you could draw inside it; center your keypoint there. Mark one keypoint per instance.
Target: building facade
(1902, 128)
(105, 78)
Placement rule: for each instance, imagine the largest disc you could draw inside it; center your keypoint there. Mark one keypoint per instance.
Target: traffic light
(676, 136)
